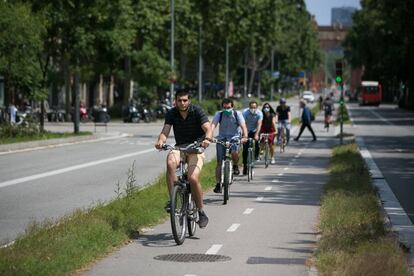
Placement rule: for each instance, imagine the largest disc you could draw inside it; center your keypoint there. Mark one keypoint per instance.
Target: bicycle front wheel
(178, 213)
(249, 164)
(191, 216)
(226, 180)
(267, 155)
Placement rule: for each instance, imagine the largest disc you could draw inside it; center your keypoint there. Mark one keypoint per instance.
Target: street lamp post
(172, 51)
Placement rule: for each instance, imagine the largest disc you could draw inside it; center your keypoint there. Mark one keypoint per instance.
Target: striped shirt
(187, 130)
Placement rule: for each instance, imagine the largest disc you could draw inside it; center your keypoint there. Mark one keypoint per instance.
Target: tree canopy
(99, 37)
(382, 41)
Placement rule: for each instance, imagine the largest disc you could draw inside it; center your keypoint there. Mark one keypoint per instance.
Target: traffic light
(338, 69)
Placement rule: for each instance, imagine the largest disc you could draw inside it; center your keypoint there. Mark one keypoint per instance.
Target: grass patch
(63, 246)
(354, 240)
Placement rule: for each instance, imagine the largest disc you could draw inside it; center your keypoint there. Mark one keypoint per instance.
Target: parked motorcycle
(56, 115)
(131, 114)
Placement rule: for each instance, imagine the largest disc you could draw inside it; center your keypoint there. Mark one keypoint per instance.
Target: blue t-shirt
(228, 127)
(252, 119)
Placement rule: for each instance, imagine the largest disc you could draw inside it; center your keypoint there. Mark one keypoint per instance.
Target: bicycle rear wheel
(178, 213)
(226, 180)
(192, 215)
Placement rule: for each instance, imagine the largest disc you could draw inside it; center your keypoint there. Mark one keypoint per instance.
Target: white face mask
(252, 110)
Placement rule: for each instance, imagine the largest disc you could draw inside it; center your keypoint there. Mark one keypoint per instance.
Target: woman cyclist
(269, 127)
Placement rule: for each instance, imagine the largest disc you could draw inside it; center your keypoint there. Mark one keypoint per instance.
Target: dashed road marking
(233, 227)
(248, 211)
(280, 174)
(275, 181)
(260, 198)
(285, 169)
(268, 188)
(214, 249)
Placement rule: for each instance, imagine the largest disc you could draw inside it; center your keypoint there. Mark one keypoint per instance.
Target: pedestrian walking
(306, 121)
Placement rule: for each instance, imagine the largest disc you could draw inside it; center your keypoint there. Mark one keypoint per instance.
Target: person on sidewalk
(232, 124)
(253, 118)
(306, 121)
(269, 126)
(283, 119)
(190, 124)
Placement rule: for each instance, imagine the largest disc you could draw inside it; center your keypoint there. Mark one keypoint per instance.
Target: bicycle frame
(226, 170)
(183, 220)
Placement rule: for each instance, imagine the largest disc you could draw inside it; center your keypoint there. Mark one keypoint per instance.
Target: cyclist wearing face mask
(232, 125)
(254, 118)
(269, 127)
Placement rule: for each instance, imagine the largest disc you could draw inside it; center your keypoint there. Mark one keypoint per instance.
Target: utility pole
(272, 68)
(200, 63)
(172, 51)
(226, 89)
(245, 76)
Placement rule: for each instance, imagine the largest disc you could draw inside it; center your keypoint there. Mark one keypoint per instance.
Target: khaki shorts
(192, 159)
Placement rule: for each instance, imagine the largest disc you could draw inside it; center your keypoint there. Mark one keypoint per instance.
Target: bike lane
(267, 227)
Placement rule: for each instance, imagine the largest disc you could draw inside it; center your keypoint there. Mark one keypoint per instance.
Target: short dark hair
(226, 101)
(253, 102)
(182, 92)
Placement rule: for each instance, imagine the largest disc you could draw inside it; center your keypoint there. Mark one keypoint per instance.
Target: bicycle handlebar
(225, 143)
(191, 148)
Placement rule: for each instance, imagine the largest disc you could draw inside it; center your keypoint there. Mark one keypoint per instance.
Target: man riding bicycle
(283, 119)
(253, 118)
(231, 121)
(190, 124)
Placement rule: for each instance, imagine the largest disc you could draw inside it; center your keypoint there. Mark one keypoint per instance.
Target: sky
(322, 8)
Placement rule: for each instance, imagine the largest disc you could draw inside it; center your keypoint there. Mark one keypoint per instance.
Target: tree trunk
(68, 94)
(127, 81)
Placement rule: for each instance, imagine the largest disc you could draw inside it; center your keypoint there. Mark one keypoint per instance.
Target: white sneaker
(273, 161)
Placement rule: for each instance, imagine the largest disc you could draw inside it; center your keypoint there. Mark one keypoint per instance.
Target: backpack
(235, 115)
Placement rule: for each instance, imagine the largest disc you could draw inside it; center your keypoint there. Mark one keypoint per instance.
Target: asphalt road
(388, 133)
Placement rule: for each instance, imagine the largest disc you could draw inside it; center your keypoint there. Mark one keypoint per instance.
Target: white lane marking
(248, 211)
(297, 156)
(351, 117)
(380, 117)
(233, 227)
(214, 249)
(280, 174)
(190, 275)
(285, 169)
(72, 168)
(260, 198)
(275, 180)
(268, 188)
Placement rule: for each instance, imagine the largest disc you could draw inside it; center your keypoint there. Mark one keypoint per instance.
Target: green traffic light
(338, 79)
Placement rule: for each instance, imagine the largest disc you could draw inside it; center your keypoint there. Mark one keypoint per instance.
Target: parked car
(308, 96)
